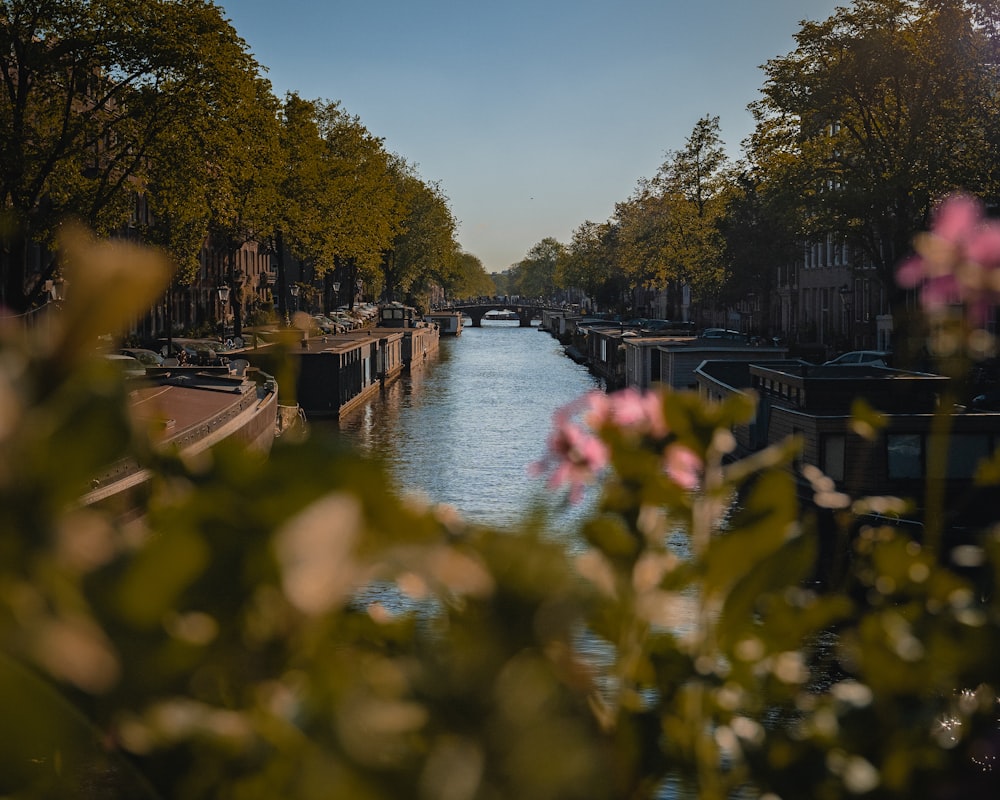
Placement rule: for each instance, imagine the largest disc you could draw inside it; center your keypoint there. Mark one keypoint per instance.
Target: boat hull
(190, 411)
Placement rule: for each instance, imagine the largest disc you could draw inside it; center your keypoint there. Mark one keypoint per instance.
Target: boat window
(905, 455)
(832, 449)
(965, 451)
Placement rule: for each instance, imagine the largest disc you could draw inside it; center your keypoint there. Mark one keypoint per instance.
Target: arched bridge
(526, 311)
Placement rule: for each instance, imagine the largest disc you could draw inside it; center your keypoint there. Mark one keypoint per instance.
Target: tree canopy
(668, 231)
(885, 106)
(94, 98)
(107, 103)
(424, 248)
(535, 274)
(587, 262)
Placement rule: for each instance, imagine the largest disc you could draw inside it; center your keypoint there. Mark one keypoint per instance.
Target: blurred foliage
(293, 627)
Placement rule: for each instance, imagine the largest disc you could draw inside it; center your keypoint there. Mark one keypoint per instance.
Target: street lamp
(295, 294)
(223, 292)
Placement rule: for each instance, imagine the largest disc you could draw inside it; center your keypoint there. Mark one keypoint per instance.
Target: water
(464, 428)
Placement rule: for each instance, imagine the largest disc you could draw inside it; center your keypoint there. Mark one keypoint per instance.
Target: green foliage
(885, 106)
(103, 91)
(534, 275)
(423, 250)
(470, 278)
(669, 228)
(291, 626)
(588, 260)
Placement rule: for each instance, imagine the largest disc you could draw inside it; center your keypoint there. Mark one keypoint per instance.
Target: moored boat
(449, 322)
(191, 409)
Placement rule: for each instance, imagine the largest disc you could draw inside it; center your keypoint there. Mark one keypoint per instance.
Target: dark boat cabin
(815, 403)
(396, 315)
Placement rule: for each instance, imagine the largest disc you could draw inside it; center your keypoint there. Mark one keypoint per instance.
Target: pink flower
(683, 465)
(629, 408)
(574, 457)
(957, 219)
(958, 261)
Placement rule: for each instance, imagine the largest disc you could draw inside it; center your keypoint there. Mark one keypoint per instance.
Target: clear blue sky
(533, 115)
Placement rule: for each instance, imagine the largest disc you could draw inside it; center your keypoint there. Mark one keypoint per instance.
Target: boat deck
(192, 411)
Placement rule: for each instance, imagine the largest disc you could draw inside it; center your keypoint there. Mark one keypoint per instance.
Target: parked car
(199, 352)
(325, 324)
(724, 333)
(657, 325)
(344, 319)
(874, 358)
(148, 358)
(131, 367)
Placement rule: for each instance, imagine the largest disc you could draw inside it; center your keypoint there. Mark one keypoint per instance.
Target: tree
(93, 94)
(341, 207)
(697, 180)
(300, 224)
(760, 236)
(471, 279)
(424, 250)
(589, 263)
(645, 256)
(886, 105)
(360, 204)
(669, 234)
(535, 274)
(243, 199)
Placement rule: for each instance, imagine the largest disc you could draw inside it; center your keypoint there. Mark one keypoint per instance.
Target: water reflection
(463, 428)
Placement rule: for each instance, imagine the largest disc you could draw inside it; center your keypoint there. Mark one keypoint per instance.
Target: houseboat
(336, 373)
(601, 346)
(191, 409)
(503, 315)
(673, 360)
(815, 403)
(419, 344)
(396, 315)
(448, 322)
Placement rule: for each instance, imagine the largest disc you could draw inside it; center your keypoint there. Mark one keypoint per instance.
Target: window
(965, 451)
(832, 449)
(905, 455)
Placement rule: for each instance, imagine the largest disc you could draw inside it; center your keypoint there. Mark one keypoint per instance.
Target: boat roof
(173, 403)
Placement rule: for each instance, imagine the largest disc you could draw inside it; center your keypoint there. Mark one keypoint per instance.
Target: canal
(463, 428)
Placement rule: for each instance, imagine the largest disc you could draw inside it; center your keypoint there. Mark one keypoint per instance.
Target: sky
(533, 116)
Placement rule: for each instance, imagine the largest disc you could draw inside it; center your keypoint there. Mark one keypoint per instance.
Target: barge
(448, 322)
(191, 409)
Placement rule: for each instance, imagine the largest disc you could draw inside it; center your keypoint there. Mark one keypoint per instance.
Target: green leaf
(759, 528)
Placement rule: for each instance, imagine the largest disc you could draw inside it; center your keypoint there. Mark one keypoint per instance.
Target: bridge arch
(526, 312)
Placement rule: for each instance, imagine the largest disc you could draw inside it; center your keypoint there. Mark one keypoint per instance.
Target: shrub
(291, 627)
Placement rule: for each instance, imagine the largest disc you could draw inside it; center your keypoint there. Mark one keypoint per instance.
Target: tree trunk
(235, 292)
(279, 248)
(13, 262)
